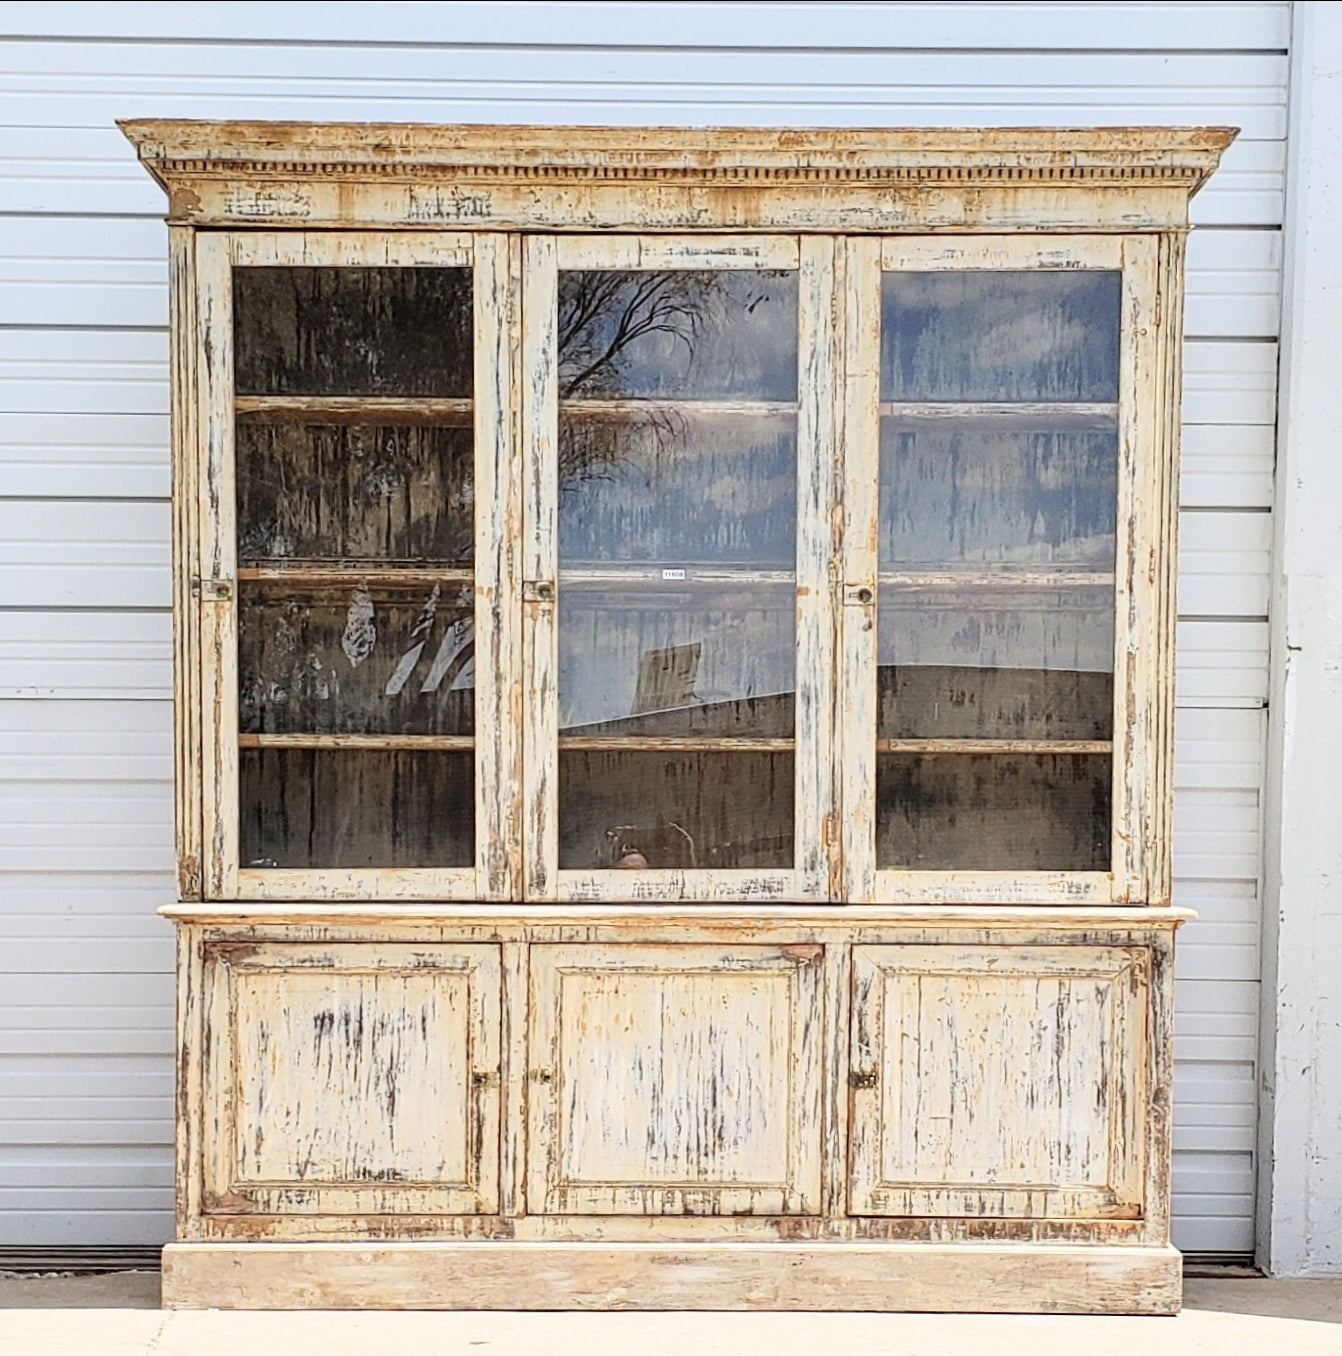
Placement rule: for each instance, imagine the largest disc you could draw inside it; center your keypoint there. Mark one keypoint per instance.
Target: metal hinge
(212, 590)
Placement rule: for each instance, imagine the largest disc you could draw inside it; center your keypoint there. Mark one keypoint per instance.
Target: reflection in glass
(1010, 663)
(355, 491)
(354, 808)
(353, 659)
(982, 493)
(677, 553)
(663, 810)
(679, 335)
(719, 661)
(997, 551)
(998, 812)
(1000, 336)
(663, 484)
(353, 331)
(340, 643)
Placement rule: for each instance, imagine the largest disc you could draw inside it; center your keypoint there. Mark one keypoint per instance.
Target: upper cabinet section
(906, 180)
(649, 516)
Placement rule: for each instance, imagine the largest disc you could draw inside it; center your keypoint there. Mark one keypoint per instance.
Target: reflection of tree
(602, 314)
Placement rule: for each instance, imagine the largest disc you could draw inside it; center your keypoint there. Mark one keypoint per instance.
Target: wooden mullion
(539, 383)
(817, 846)
(218, 564)
(499, 684)
(184, 355)
(859, 564)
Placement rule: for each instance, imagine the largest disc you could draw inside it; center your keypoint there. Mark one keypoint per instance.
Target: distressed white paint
(85, 811)
(1301, 1202)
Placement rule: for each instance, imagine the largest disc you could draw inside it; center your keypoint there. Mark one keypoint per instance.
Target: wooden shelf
(995, 746)
(425, 742)
(353, 572)
(696, 576)
(1003, 578)
(673, 744)
(337, 409)
(1079, 415)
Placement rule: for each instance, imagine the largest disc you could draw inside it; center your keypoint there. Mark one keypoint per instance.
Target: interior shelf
(350, 409)
(991, 746)
(356, 741)
(619, 409)
(353, 572)
(1033, 414)
(1002, 577)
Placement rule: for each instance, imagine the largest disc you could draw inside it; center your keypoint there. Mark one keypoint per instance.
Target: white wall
(85, 985)
(1301, 1231)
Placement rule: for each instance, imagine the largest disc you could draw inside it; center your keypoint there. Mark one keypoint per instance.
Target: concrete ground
(116, 1315)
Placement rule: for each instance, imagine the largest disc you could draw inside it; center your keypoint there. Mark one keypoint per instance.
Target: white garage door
(85, 760)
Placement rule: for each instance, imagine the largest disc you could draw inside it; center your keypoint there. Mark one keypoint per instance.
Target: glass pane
(999, 812)
(356, 808)
(975, 492)
(1006, 663)
(677, 553)
(353, 659)
(355, 491)
(629, 810)
(347, 512)
(678, 335)
(657, 658)
(990, 336)
(997, 550)
(353, 331)
(680, 488)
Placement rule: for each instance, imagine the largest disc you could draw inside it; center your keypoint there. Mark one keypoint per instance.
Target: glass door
(1004, 437)
(350, 403)
(677, 585)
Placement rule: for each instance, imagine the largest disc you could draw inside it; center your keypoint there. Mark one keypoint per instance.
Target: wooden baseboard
(966, 1278)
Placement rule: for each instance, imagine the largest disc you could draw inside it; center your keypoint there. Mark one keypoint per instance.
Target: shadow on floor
(64, 1290)
(1310, 1301)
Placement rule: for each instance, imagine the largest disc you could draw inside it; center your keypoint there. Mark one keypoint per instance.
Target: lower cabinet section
(900, 1089)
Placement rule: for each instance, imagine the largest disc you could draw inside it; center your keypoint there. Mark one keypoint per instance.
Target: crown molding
(413, 175)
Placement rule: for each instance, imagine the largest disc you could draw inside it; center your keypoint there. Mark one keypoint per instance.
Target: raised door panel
(357, 1079)
(675, 1080)
(999, 1081)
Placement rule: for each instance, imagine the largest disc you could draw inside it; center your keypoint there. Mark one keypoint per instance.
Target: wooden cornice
(498, 177)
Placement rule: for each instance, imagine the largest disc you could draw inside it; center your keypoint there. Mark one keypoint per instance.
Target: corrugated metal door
(85, 761)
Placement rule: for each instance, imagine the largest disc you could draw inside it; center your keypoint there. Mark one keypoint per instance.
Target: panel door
(357, 512)
(999, 1081)
(350, 1080)
(1007, 627)
(675, 1080)
(678, 419)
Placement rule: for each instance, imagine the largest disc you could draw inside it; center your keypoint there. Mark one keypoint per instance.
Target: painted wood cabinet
(674, 695)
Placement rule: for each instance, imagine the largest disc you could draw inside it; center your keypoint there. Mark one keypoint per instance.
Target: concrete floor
(116, 1315)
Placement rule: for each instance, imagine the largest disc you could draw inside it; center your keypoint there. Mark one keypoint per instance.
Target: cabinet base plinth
(966, 1278)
